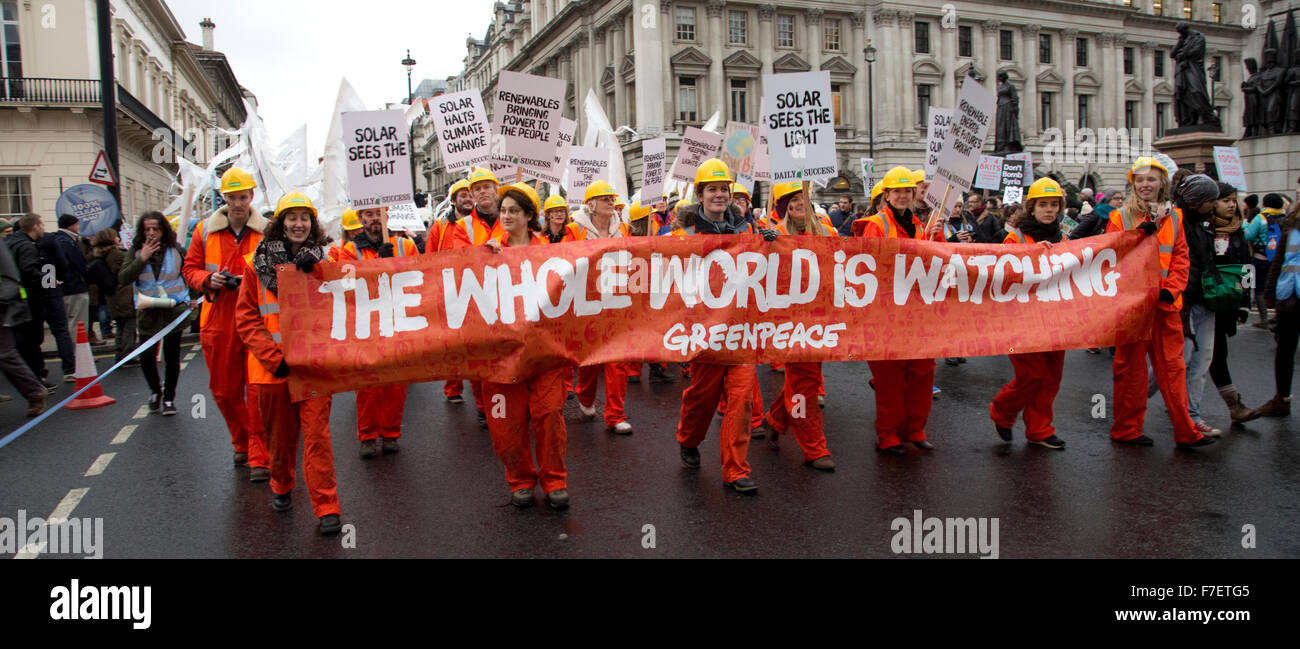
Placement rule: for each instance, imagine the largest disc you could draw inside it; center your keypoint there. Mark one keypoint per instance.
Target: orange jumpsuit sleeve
(346, 253)
(1179, 266)
(869, 228)
(252, 330)
(193, 270)
(410, 248)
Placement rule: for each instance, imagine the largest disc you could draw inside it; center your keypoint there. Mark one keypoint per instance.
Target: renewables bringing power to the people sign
(378, 158)
(526, 115)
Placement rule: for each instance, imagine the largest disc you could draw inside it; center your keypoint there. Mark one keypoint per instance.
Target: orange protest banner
(472, 313)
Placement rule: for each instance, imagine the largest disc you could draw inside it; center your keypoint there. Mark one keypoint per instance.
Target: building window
(1187, 9)
(1158, 68)
(837, 97)
(1216, 69)
(1083, 111)
(923, 103)
(737, 27)
(1006, 44)
(686, 105)
(685, 23)
(1081, 52)
(739, 100)
(1216, 12)
(11, 51)
(15, 191)
(1158, 7)
(1044, 48)
(784, 31)
(1161, 109)
(1128, 60)
(831, 35)
(922, 37)
(964, 47)
(1130, 114)
(1046, 112)
(1128, 3)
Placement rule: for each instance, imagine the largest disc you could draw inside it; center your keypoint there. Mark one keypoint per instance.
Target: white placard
(867, 168)
(936, 132)
(568, 128)
(1228, 161)
(379, 161)
(762, 162)
(587, 164)
(966, 132)
(526, 112)
(697, 146)
(462, 128)
(405, 217)
(653, 156)
(1012, 194)
(1028, 157)
(800, 126)
(989, 173)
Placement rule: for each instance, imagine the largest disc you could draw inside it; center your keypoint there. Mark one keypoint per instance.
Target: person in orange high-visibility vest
(379, 410)
(462, 205)
(904, 388)
(1038, 374)
(215, 266)
(795, 408)
(349, 225)
(555, 221)
(527, 416)
(715, 214)
(1147, 208)
(295, 238)
(474, 229)
(599, 220)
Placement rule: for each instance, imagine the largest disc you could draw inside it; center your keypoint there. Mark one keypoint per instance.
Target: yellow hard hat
(638, 211)
(598, 189)
(679, 204)
(555, 201)
(619, 202)
(292, 200)
(525, 189)
(480, 174)
(876, 190)
(350, 220)
(1146, 161)
(1044, 188)
(918, 176)
(712, 170)
(737, 188)
(898, 178)
(236, 180)
(459, 185)
(781, 190)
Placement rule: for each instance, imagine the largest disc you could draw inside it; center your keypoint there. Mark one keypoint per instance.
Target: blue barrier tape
(138, 350)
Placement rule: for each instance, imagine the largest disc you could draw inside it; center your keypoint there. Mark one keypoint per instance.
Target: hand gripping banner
(474, 314)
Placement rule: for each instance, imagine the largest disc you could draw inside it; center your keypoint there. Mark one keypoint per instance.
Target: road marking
(189, 356)
(196, 347)
(183, 365)
(124, 434)
(63, 510)
(140, 414)
(100, 464)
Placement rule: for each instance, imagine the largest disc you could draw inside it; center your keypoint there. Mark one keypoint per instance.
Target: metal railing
(54, 91)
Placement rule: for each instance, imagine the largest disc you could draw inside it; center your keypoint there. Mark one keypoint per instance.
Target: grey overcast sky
(292, 53)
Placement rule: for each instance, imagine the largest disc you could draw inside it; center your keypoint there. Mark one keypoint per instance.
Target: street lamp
(870, 53)
(409, 64)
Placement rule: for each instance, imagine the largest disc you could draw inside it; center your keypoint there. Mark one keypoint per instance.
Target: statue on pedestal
(1271, 98)
(1192, 105)
(1293, 95)
(1007, 137)
(1250, 92)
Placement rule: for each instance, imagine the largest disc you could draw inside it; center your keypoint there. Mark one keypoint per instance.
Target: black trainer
(1140, 440)
(281, 503)
(1053, 442)
(522, 498)
(482, 419)
(690, 457)
(744, 485)
(1004, 433)
(155, 402)
(1203, 441)
(896, 449)
(330, 524)
(455, 398)
(169, 408)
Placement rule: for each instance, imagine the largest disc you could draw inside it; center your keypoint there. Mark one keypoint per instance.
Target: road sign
(102, 173)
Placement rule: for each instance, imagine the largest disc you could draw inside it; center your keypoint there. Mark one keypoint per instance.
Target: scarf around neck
(272, 253)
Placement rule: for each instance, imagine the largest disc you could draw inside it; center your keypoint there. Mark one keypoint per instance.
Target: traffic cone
(86, 372)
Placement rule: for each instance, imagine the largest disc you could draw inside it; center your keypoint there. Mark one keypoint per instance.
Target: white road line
(196, 347)
(124, 434)
(141, 413)
(189, 356)
(100, 464)
(183, 365)
(63, 510)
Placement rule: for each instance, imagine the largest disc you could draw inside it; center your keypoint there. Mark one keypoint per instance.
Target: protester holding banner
(854, 227)
(1231, 253)
(741, 199)
(154, 268)
(641, 224)
(714, 214)
(528, 414)
(379, 410)
(557, 218)
(1147, 208)
(1282, 292)
(596, 219)
(1038, 375)
(904, 389)
(349, 225)
(793, 408)
(215, 266)
(462, 204)
(294, 239)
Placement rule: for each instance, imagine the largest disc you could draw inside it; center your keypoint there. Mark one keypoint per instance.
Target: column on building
(715, 37)
(766, 39)
(582, 80)
(989, 66)
(665, 35)
(599, 60)
(617, 35)
(565, 67)
(1121, 98)
(1068, 37)
(1145, 71)
(1109, 80)
(906, 46)
(1232, 78)
(947, 57)
(1029, 98)
(887, 56)
(813, 27)
(859, 19)
(534, 16)
(646, 61)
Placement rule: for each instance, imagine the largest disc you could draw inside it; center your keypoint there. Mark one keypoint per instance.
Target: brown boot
(1278, 406)
(1236, 409)
(35, 406)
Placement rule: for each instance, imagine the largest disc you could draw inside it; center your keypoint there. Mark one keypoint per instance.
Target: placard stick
(770, 193)
(384, 222)
(943, 205)
(808, 214)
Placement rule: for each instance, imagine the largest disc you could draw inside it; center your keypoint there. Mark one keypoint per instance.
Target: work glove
(305, 263)
(282, 371)
(1166, 296)
(768, 234)
(386, 250)
(1147, 227)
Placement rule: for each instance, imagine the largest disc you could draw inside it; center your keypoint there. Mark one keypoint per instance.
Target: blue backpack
(1274, 234)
